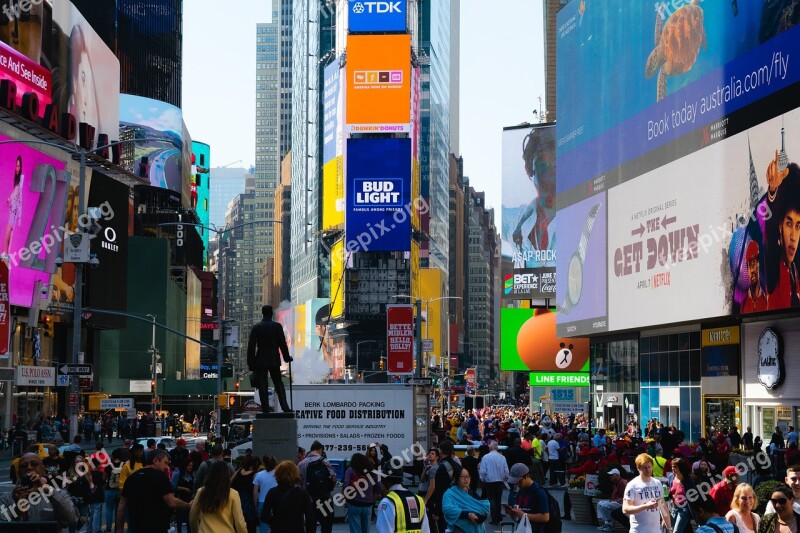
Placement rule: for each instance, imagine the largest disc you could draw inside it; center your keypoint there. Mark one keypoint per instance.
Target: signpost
(116, 403)
(427, 345)
(75, 370)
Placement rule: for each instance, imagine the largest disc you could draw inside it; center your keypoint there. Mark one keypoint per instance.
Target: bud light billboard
(372, 16)
(378, 192)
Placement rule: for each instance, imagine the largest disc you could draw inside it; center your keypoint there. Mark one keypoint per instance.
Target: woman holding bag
(217, 507)
(462, 510)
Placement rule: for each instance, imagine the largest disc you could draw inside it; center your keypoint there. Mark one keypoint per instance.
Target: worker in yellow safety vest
(401, 511)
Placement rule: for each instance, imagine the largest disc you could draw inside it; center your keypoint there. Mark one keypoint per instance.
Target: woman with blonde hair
(741, 514)
(216, 506)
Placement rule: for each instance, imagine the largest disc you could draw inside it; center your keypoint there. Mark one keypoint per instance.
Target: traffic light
(46, 323)
(237, 385)
(152, 386)
(380, 364)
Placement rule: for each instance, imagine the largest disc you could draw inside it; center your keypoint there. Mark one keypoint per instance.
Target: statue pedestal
(276, 434)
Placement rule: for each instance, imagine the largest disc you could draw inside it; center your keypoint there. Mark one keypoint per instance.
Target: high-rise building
(224, 185)
(147, 37)
(283, 258)
(312, 38)
(458, 260)
(436, 59)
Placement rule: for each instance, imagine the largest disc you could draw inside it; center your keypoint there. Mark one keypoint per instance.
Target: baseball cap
(730, 471)
(518, 471)
(613, 471)
(752, 251)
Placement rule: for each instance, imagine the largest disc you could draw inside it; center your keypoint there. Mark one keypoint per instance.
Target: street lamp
(359, 343)
(81, 153)
(220, 312)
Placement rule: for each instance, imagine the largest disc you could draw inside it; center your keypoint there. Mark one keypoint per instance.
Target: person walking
(217, 453)
(242, 483)
(318, 478)
(401, 510)
(264, 347)
(682, 483)
(135, 463)
(359, 507)
(216, 507)
(463, 511)
(288, 507)
(532, 500)
(644, 499)
(147, 498)
(493, 472)
(263, 482)
(183, 485)
(79, 489)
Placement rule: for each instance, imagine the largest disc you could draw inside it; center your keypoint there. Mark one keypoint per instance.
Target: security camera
(59, 260)
(45, 288)
(94, 262)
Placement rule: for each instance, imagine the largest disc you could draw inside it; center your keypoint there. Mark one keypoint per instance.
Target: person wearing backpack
(111, 494)
(534, 501)
(359, 506)
(319, 479)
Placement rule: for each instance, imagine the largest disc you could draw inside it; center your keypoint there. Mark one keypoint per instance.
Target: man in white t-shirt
(644, 499)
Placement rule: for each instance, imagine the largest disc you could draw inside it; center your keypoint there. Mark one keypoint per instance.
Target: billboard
(199, 188)
(528, 242)
(159, 158)
(68, 62)
(371, 16)
(106, 288)
(337, 279)
(694, 167)
(378, 195)
(333, 194)
(378, 86)
(528, 342)
(399, 339)
(332, 113)
(33, 193)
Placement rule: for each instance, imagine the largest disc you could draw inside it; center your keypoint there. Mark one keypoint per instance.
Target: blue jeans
(263, 527)
(358, 518)
(681, 518)
(112, 501)
(95, 517)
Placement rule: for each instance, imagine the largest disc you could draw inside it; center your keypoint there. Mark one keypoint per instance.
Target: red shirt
(722, 496)
(781, 297)
(754, 304)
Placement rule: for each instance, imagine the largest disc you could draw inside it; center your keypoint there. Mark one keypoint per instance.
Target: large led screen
(158, 128)
(378, 83)
(378, 195)
(33, 193)
(528, 343)
(85, 72)
(692, 137)
(332, 112)
(529, 211)
(365, 16)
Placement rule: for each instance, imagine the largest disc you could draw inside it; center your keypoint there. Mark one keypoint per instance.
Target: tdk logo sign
(374, 16)
(378, 193)
(377, 7)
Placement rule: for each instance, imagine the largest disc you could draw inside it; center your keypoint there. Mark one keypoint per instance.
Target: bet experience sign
(371, 16)
(378, 195)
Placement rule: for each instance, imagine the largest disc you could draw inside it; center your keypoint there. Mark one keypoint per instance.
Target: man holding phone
(34, 498)
(531, 499)
(644, 499)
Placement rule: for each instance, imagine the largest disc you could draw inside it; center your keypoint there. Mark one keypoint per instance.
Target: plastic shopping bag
(524, 525)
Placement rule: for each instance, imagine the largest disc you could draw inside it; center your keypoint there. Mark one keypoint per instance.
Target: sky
(501, 56)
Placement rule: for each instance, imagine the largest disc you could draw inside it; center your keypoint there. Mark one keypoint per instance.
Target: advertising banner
(400, 339)
(333, 194)
(160, 157)
(378, 83)
(36, 376)
(469, 381)
(332, 113)
(378, 206)
(110, 244)
(559, 379)
(529, 208)
(199, 189)
(528, 342)
(27, 75)
(371, 16)
(581, 288)
(337, 279)
(5, 311)
(34, 193)
(347, 419)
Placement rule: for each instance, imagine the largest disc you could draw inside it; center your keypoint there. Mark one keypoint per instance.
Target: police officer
(401, 511)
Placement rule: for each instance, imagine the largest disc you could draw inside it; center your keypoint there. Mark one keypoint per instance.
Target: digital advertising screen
(366, 16)
(378, 193)
(378, 87)
(528, 241)
(33, 192)
(67, 62)
(333, 194)
(332, 113)
(201, 165)
(692, 156)
(528, 342)
(158, 128)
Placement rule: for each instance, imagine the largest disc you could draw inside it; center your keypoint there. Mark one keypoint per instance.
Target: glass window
(694, 340)
(663, 343)
(685, 371)
(645, 369)
(673, 342)
(695, 360)
(672, 366)
(644, 345)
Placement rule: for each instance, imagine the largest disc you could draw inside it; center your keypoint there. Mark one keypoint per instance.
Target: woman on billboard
(14, 206)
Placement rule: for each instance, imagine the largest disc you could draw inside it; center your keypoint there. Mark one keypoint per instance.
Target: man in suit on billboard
(267, 343)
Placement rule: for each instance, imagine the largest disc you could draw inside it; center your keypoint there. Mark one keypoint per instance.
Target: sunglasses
(779, 501)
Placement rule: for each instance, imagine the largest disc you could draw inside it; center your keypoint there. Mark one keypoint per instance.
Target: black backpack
(318, 479)
(553, 524)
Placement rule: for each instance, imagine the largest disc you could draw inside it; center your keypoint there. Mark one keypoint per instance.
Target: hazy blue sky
(502, 76)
